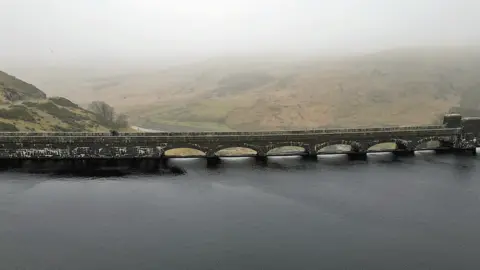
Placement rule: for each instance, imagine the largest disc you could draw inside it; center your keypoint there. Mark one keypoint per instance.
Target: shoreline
(140, 129)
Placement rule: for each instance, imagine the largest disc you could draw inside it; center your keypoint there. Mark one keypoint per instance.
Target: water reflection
(409, 213)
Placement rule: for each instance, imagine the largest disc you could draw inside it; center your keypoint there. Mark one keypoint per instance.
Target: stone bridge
(313, 142)
(455, 133)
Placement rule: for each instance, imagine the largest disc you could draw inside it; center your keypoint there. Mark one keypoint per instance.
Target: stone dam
(77, 151)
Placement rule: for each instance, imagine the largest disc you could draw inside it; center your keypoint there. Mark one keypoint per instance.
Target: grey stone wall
(100, 145)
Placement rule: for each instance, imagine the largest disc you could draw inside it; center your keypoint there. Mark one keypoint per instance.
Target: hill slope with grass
(13, 89)
(395, 87)
(398, 87)
(23, 107)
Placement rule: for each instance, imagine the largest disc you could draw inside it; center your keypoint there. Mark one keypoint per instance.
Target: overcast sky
(55, 30)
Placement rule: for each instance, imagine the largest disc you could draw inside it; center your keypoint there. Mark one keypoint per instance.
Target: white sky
(76, 30)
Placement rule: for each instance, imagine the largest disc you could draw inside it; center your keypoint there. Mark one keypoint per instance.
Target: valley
(405, 86)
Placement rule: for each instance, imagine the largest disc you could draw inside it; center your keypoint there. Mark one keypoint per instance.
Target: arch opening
(429, 145)
(235, 151)
(183, 152)
(435, 142)
(383, 146)
(286, 150)
(334, 148)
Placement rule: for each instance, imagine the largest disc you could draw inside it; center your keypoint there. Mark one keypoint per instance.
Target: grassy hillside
(13, 89)
(395, 87)
(389, 88)
(23, 107)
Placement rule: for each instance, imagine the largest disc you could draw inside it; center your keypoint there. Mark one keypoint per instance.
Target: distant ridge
(403, 86)
(465, 111)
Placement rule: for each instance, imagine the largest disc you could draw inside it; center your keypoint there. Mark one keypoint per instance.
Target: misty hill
(13, 89)
(394, 87)
(26, 108)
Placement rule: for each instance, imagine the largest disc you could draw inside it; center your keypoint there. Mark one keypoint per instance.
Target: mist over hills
(392, 87)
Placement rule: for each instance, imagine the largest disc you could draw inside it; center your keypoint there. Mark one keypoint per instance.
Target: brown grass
(396, 87)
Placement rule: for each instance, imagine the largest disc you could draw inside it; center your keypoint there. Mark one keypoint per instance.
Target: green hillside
(13, 89)
(403, 86)
(24, 107)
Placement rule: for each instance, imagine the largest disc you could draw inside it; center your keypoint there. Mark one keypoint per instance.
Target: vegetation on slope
(46, 115)
(390, 88)
(396, 87)
(106, 115)
(13, 89)
(26, 108)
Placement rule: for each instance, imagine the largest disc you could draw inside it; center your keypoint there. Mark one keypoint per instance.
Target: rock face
(24, 107)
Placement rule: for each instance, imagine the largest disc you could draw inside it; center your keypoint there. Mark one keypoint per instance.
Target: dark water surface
(418, 213)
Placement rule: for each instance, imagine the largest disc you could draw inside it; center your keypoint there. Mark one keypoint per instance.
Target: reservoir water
(414, 213)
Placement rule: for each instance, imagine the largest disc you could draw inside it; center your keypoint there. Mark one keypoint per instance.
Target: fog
(50, 32)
